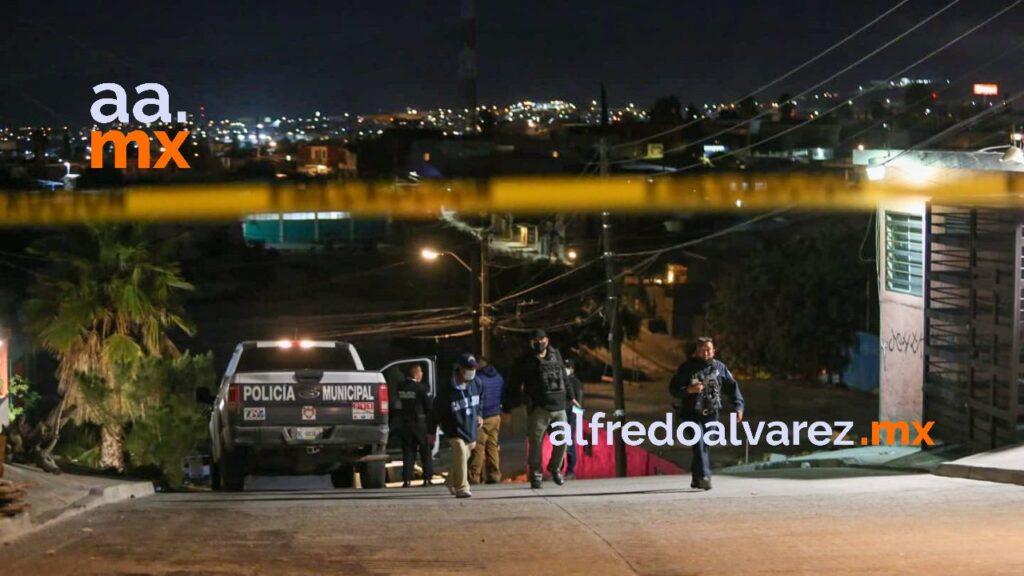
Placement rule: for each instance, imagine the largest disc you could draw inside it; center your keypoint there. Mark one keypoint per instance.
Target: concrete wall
(901, 335)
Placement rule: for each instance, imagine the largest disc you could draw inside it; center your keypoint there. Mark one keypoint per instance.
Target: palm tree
(111, 295)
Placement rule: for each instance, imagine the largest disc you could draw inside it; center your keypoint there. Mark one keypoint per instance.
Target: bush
(793, 305)
(172, 424)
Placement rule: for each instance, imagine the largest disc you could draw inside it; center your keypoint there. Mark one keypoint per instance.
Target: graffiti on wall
(900, 342)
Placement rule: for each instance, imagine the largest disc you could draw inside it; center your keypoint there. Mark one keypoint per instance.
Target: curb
(24, 524)
(1002, 475)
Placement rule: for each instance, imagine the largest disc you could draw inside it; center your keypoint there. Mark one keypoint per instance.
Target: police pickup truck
(301, 407)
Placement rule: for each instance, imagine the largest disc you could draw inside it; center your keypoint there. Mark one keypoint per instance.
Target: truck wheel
(342, 477)
(215, 476)
(373, 474)
(231, 470)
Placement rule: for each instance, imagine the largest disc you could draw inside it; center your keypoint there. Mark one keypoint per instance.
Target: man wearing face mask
(541, 380)
(571, 453)
(457, 410)
(698, 387)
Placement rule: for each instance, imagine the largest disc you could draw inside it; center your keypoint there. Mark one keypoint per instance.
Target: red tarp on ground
(598, 461)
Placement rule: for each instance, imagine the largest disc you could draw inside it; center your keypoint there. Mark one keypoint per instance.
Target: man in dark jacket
(541, 381)
(698, 386)
(415, 401)
(572, 456)
(457, 411)
(485, 462)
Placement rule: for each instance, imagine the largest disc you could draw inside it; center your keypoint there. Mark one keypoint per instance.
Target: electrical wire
(821, 83)
(652, 257)
(777, 80)
(711, 236)
(566, 274)
(942, 90)
(958, 126)
(549, 327)
(795, 127)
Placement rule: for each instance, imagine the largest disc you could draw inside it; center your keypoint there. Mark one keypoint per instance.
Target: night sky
(270, 58)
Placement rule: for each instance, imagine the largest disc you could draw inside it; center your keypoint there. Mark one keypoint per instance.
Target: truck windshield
(295, 358)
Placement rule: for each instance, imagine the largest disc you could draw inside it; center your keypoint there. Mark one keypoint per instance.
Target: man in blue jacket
(485, 462)
(698, 386)
(457, 411)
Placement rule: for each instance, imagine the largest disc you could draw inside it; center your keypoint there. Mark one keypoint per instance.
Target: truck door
(395, 373)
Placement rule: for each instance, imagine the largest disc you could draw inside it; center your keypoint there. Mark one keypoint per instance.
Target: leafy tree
(878, 110)
(748, 107)
(23, 397)
(667, 111)
(110, 297)
(488, 121)
(692, 113)
(792, 307)
(787, 109)
(172, 424)
(917, 97)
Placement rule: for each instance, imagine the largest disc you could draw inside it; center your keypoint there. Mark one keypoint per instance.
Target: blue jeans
(700, 464)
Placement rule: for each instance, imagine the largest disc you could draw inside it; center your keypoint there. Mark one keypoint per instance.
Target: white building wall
(901, 334)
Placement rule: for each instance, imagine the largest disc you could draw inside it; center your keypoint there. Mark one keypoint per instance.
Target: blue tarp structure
(862, 371)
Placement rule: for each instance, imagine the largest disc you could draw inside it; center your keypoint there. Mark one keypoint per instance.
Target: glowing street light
(429, 254)
(478, 293)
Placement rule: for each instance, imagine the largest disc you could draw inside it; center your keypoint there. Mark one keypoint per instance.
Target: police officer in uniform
(698, 387)
(541, 380)
(415, 402)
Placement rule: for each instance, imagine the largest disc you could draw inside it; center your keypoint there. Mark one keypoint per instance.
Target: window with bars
(904, 253)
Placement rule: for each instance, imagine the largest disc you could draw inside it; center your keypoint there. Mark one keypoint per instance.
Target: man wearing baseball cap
(457, 410)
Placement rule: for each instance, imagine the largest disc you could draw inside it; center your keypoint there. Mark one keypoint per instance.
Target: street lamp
(429, 254)
(478, 292)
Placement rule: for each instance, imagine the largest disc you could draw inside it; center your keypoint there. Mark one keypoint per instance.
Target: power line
(652, 257)
(550, 280)
(767, 85)
(926, 57)
(574, 322)
(821, 83)
(959, 125)
(956, 81)
(713, 235)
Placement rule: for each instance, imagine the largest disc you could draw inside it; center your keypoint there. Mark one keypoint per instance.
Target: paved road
(903, 524)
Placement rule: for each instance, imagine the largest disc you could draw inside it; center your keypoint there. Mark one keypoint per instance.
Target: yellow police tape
(699, 193)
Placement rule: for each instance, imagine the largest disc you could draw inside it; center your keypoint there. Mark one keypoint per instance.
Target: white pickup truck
(302, 407)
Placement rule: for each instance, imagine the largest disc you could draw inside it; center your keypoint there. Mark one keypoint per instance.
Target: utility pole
(612, 316)
(476, 297)
(468, 66)
(484, 320)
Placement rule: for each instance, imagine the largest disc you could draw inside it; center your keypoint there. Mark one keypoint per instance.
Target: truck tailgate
(309, 398)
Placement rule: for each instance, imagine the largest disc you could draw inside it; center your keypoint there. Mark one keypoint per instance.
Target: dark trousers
(700, 463)
(414, 440)
(570, 452)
